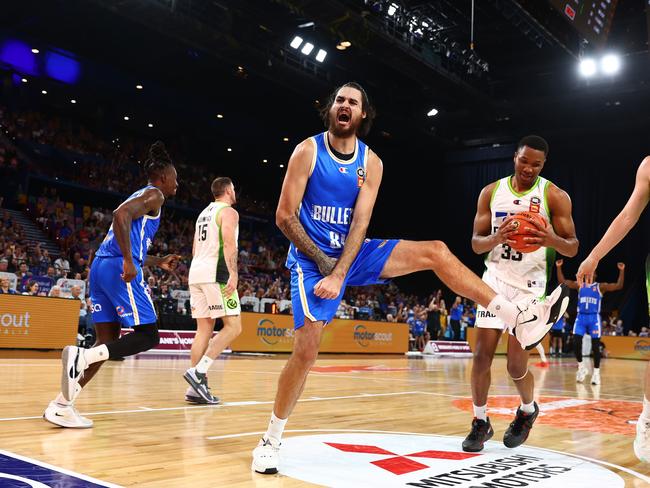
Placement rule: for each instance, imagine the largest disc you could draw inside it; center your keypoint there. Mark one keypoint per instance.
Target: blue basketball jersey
(330, 196)
(589, 298)
(143, 231)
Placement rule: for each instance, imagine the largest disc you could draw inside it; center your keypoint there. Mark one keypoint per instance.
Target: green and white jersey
(522, 270)
(208, 263)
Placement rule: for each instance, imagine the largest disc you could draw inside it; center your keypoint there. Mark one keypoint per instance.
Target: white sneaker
(74, 364)
(642, 440)
(266, 456)
(66, 416)
(536, 317)
(595, 378)
(581, 374)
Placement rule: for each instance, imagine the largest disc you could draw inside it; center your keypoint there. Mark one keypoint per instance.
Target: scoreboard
(591, 18)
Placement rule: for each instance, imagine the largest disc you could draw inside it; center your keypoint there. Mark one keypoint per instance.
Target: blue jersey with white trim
(330, 196)
(143, 231)
(589, 298)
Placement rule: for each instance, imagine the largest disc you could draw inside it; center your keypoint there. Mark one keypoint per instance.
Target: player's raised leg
(535, 316)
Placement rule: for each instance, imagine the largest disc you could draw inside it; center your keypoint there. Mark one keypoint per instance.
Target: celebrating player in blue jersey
(325, 206)
(588, 320)
(118, 291)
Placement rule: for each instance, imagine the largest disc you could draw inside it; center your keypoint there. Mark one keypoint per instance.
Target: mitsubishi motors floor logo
(403, 460)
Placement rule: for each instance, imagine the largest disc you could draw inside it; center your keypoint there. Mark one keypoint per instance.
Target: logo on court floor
(584, 414)
(388, 460)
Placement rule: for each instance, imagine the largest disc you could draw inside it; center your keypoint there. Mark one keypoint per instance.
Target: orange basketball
(524, 228)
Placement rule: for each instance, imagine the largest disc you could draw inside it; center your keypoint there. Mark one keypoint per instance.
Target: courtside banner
(626, 347)
(274, 333)
(37, 322)
(502, 347)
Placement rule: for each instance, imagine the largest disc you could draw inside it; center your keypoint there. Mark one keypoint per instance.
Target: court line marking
(243, 404)
(57, 469)
(594, 460)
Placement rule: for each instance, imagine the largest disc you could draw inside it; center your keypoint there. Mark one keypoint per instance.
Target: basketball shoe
(517, 433)
(642, 440)
(66, 416)
(581, 374)
(199, 382)
(481, 433)
(537, 316)
(74, 363)
(266, 456)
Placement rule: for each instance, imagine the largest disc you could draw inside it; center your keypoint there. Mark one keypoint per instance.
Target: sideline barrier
(37, 322)
(626, 347)
(274, 333)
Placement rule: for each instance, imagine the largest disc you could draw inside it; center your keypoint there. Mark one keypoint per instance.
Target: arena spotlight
(320, 57)
(345, 43)
(392, 9)
(432, 113)
(229, 149)
(297, 41)
(610, 64)
(150, 125)
(126, 117)
(341, 47)
(35, 51)
(24, 80)
(265, 160)
(44, 92)
(588, 67)
(285, 139)
(282, 166)
(307, 48)
(73, 101)
(139, 87)
(220, 116)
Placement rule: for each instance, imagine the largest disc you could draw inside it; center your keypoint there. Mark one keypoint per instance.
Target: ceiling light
(44, 92)
(345, 43)
(229, 149)
(297, 41)
(341, 47)
(433, 112)
(126, 117)
(282, 166)
(73, 101)
(265, 160)
(219, 116)
(307, 48)
(306, 24)
(610, 64)
(35, 51)
(588, 67)
(139, 87)
(320, 56)
(392, 9)
(285, 139)
(24, 80)
(150, 125)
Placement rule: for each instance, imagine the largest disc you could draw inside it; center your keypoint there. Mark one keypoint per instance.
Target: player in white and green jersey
(516, 275)
(213, 286)
(622, 224)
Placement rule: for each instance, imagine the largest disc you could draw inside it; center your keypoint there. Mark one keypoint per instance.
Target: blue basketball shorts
(587, 323)
(114, 300)
(365, 270)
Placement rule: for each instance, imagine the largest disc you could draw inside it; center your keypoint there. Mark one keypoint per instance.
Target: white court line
(239, 404)
(598, 461)
(60, 470)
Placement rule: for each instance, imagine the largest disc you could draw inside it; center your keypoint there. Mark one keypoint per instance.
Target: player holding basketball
(619, 228)
(117, 288)
(213, 287)
(325, 206)
(516, 276)
(588, 320)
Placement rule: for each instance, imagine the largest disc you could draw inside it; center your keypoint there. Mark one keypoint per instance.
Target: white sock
(528, 407)
(204, 365)
(480, 412)
(276, 427)
(596, 370)
(96, 354)
(646, 408)
(580, 365)
(504, 309)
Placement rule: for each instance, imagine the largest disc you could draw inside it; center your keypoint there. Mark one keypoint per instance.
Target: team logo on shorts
(231, 303)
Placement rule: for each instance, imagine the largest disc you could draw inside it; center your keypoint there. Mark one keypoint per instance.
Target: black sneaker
(519, 428)
(481, 432)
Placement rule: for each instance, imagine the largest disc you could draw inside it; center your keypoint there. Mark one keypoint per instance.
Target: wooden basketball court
(146, 435)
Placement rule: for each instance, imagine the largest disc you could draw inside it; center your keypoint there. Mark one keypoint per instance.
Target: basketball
(524, 229)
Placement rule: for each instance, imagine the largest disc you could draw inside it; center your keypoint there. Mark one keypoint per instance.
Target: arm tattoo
(295, 232)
